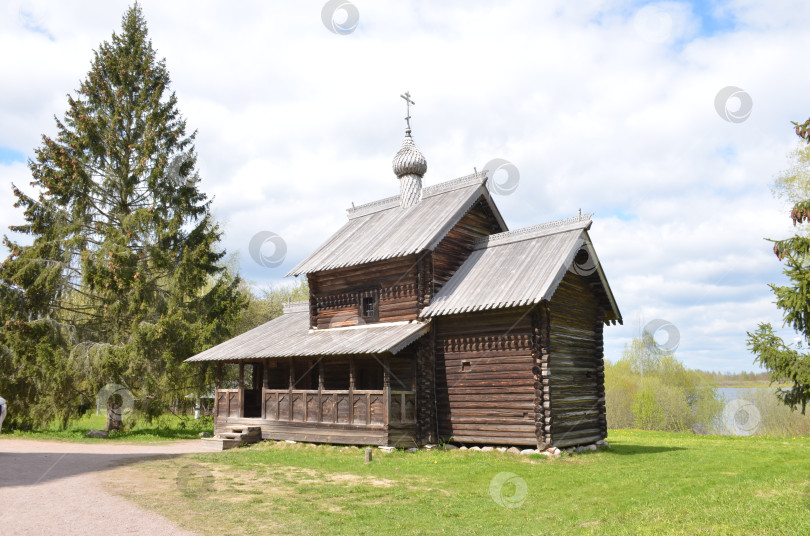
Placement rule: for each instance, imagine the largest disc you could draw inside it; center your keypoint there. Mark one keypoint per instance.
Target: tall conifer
(123, 278)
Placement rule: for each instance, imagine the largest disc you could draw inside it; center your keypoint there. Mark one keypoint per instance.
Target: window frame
(373, 294)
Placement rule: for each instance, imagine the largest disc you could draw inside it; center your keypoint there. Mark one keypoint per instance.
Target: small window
(369, 305)
(465, 366)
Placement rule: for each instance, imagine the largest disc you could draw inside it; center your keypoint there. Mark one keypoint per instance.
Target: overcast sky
(606, 106)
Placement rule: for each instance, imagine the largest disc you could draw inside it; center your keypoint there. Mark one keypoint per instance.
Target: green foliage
(269, 304)
(793, 184)
(123, 279)
(737, 379)
(785, 364)
(649, 388)
(164, 426)
(647, 411)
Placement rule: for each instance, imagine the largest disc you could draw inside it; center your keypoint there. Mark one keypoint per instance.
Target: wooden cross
(408, 102)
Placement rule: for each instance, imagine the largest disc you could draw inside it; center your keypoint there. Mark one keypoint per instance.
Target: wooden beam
(351, 389)
(265, 385)
(320, 389)
(241, 397)
(386, 389)
(290, 388)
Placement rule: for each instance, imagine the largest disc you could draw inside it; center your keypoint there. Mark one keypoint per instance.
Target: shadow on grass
(625, 450)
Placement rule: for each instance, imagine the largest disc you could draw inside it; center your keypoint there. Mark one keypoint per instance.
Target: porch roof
(289, 336)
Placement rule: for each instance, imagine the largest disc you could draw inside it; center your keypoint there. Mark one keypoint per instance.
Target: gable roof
(383, 230)
(520, 267)
(289, 336)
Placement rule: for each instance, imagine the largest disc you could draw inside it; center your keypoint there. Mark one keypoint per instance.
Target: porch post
(217, 384)
(351, 390)
(320, 389)
(290, 388)
(387, 388)
(265, 383)
(241, 392)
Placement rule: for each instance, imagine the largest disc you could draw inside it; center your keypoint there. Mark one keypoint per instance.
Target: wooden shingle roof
(289, 335)
(383, 230)
(518, 268)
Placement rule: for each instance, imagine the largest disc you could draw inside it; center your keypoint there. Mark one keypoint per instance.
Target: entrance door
(253, 390)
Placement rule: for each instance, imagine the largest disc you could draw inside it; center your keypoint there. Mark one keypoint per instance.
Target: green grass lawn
(647, 483)
(161, 428)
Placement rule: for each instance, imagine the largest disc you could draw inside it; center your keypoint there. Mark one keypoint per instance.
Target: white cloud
(603, 105)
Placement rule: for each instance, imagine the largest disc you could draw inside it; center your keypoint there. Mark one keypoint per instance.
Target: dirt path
(53, 487)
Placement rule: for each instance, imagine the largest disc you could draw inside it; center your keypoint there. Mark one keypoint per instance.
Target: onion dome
(409, 160)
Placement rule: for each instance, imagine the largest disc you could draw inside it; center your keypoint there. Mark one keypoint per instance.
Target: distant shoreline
(750, 385)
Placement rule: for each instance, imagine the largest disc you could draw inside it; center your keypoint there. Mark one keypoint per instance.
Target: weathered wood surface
(334, 294)
(574, 396)
(316, 433)
(484, 378)
(456, 246)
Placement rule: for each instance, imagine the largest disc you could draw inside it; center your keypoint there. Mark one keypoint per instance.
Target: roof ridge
(472, 179)
(374, 206)
(533, 231)
(296, 307)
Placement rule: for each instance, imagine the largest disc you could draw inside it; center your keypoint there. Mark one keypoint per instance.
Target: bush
(647, 412)
(649, 389)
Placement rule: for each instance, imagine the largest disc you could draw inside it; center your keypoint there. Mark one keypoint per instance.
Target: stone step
(233, 436)
(218, 443)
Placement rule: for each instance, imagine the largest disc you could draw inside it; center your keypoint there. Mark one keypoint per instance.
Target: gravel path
(54, 487)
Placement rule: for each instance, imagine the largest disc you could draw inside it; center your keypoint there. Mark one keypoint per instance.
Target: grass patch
(647, 483)
(164, 427)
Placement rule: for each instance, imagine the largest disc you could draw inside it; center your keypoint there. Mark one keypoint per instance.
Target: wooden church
(429, 320)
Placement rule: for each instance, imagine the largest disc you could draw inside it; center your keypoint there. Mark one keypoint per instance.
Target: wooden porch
(356, 415)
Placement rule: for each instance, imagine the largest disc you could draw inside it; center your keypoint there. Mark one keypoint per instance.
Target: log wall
(454, 248)
(540, 374)
(485, 389)
(575, 365)
(425, 387)
(334, 294)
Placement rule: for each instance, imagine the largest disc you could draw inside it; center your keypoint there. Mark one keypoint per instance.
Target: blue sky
(603, 105)
(10, 156)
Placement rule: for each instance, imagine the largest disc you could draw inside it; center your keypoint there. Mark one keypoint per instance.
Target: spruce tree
(123, 278)
(788, 363)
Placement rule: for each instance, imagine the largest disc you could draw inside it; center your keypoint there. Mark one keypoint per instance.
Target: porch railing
(357, 407)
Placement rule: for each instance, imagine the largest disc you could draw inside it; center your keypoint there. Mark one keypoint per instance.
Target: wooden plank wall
(454, 248)
(334, 293)
(484, 378)
(576, 367)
